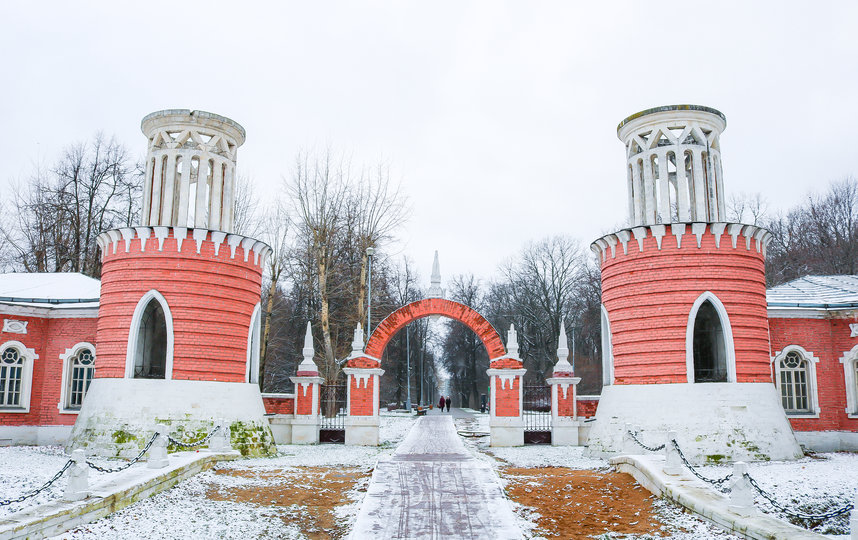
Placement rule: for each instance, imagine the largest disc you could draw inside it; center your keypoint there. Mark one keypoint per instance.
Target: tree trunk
(331, 371)
(267, 327)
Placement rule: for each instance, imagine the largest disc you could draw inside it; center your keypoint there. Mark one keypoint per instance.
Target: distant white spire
(512, 342)
(307, 364)
(435, 290)
(562, 365)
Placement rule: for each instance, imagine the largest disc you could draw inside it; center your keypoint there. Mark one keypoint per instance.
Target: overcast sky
(498, 118)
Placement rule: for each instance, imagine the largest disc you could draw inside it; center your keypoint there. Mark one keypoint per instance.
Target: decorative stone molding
(853, 330)
(760, 237)
(15, 327)
(137, 236)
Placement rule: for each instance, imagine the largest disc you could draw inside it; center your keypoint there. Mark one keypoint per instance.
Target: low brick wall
(587, 406)
(279, 403)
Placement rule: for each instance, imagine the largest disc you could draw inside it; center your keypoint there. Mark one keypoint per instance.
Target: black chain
(645, 447)
(200, 442)
(130, 463)
(800, 515)
(719, 483)
(25, 496)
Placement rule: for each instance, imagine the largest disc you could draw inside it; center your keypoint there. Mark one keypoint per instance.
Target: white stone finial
(562, 365)
(435, 290)
(307, 364)
(512, 341)
(357, 342)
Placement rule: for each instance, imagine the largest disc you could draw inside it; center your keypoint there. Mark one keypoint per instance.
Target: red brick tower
(178, 327)
(685, 330)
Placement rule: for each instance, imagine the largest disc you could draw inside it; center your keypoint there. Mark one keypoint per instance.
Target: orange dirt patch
(582, 503)
(311, 494)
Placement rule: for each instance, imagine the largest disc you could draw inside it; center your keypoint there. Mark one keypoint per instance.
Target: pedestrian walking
(441, 404)
(447, 401)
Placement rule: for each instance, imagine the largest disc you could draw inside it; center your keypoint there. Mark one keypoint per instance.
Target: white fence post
(672, 461)
(741, 491)
(853, 521)
(220, 441)
(158, 451)
(78, 486)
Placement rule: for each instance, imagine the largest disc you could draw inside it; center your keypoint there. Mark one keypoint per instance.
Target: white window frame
(607, 349)
(812, 386)
(252, 370)
(68, 357)
(729, 349)
(849, 359)
(29, 358)
(134, 331)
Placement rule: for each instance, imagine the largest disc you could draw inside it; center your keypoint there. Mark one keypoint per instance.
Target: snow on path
(432, 487)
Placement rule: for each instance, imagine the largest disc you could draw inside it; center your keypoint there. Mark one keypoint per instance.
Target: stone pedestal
(506, 425)
(362, 402)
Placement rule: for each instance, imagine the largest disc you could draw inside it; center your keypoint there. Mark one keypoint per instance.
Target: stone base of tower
(714, 422)
(119, 415)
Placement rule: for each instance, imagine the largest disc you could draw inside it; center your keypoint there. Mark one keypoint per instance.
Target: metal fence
(536, 410)
(332, 413)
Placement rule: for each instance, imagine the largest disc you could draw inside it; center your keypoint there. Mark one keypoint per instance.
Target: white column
(169, 188)
(663, 188)
(682, 187)
(147, 191)
(184, 191)
(638, 198)
(719, 185)
(228, 198)
(216, 196)
(649, 205)
(155, 212)
(202, 182)
(631, 189)
(700, 194)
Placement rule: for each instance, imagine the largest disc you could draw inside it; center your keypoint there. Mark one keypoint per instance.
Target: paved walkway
(432, 487)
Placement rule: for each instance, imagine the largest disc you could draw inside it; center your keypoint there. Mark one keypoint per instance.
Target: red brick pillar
(305, 425)
(363, 373)
(564, 414)
(506, 377)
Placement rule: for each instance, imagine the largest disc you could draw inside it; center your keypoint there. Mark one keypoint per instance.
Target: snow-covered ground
(186, 512)
(813, 485)
(26, 468)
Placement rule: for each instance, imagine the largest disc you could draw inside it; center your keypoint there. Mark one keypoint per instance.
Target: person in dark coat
(447, 401)
(441, 404)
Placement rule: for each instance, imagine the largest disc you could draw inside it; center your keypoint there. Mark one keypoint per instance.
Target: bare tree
(747, 208)
(275, 233)
(318, 189)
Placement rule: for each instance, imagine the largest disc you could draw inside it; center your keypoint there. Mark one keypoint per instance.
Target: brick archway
(435, 306)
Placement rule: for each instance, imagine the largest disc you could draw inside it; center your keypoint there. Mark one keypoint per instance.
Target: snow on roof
(58, 290)
(827, 292)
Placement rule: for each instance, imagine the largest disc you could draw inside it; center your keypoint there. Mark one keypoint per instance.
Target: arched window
(795, 377)
(709, 342)
(11, 377)
(16, 376)
(78, 371)
(150, 340)
(793, 383)
(253, 334)
(607, 350)
(710, 358)
(150, 359)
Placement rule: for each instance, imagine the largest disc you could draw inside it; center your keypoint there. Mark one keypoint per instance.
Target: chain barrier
(200, 442)
(130, 463)
(718, 483)
(645, 447)
(800, 515)
(46, 485)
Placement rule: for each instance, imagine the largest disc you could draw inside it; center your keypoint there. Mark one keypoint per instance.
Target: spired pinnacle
(435, 290)
(562, 365)
(307, 364)
(357, 342)
(512, 342)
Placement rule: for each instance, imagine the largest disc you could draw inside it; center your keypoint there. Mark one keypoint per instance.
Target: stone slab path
(432, 487)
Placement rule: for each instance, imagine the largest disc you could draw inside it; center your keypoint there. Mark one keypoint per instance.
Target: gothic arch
(434, 306)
